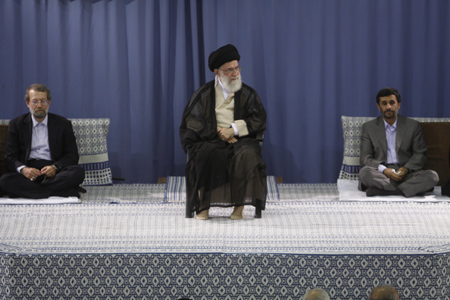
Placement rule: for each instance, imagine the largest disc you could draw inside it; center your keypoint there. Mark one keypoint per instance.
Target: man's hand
(396, 175)
(30, 173)
(226, 134)
(50, 171)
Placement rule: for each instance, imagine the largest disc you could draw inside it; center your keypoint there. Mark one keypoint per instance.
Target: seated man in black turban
(218, 131)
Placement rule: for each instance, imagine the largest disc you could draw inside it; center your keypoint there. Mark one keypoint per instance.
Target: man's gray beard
(40, 114)
(232, 85)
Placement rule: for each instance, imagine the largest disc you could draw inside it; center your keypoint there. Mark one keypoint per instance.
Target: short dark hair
(37, 87)
(387, 92)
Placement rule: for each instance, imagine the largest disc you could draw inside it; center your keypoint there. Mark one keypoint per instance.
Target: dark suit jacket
(410, 144)
(62, 142)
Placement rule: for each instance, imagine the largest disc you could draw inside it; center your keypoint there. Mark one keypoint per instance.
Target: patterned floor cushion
(352, 131)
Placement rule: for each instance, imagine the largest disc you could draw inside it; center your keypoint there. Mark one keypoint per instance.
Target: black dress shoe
(81, 190)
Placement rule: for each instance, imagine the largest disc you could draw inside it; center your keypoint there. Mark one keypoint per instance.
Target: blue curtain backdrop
(138, 62)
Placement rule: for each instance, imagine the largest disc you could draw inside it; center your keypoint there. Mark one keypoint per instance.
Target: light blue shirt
(40, 148)
(391, 134)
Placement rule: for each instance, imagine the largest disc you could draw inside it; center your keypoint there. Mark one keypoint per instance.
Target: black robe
(219, 173)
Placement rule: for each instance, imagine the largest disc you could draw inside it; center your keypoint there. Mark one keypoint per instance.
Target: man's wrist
(234, 127)
(381, 168)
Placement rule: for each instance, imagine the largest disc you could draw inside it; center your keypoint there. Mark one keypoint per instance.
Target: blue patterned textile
(352, 130)
(220, 276)
(92, 145)
(91, 135)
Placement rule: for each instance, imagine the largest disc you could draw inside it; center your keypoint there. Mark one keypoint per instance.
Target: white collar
(386, 124)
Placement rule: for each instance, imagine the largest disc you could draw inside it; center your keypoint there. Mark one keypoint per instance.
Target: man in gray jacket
(393, 152)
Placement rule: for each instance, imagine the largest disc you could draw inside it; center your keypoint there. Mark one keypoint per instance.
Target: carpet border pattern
(219, 276)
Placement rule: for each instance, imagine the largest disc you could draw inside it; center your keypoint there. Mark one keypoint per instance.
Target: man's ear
(216, 71)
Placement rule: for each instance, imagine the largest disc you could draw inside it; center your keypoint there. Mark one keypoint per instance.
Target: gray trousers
(413, 183)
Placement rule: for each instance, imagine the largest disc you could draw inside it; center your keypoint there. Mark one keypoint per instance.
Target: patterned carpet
(292, 227)
(299, 219)
(133, 242)
(308, 191)
(125, 193)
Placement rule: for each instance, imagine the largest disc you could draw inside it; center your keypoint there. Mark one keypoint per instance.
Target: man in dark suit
(41, 153)
(393, 152)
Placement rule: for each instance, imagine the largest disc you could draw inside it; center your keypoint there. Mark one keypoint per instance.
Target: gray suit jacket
(410, 144)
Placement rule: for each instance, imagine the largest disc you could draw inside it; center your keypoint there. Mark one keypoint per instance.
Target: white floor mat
(348, 191)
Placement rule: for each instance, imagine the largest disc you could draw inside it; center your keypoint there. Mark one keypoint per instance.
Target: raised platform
(133, 242)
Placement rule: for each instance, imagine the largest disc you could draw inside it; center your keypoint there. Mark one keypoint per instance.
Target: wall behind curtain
(137, 63)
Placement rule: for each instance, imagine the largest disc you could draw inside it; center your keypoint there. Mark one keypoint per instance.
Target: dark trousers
(64, 184)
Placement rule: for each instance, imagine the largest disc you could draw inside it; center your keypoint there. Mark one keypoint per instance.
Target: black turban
(223, 55)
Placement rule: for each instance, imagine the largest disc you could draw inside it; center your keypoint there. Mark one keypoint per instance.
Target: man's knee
(5, 180)
(365, 173)
(79, 174)
(76, 174)
(432, 176)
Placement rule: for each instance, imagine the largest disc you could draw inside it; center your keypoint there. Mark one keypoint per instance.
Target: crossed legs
(414, 183)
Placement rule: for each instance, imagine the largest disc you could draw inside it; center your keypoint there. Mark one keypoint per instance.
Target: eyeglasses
(231, 70)
(43, 102)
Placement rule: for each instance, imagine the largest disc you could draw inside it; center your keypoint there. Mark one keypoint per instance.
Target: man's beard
(389, 116)
(40, 114)
(232, 85)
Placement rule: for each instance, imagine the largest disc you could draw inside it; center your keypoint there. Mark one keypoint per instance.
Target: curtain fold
(138, 62)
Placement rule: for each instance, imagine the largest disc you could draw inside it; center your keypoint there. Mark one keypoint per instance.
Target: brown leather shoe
(238, 213)
(203, 215)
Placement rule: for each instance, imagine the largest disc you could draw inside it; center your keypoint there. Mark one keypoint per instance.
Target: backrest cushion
(92, 146)
(352, 131)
